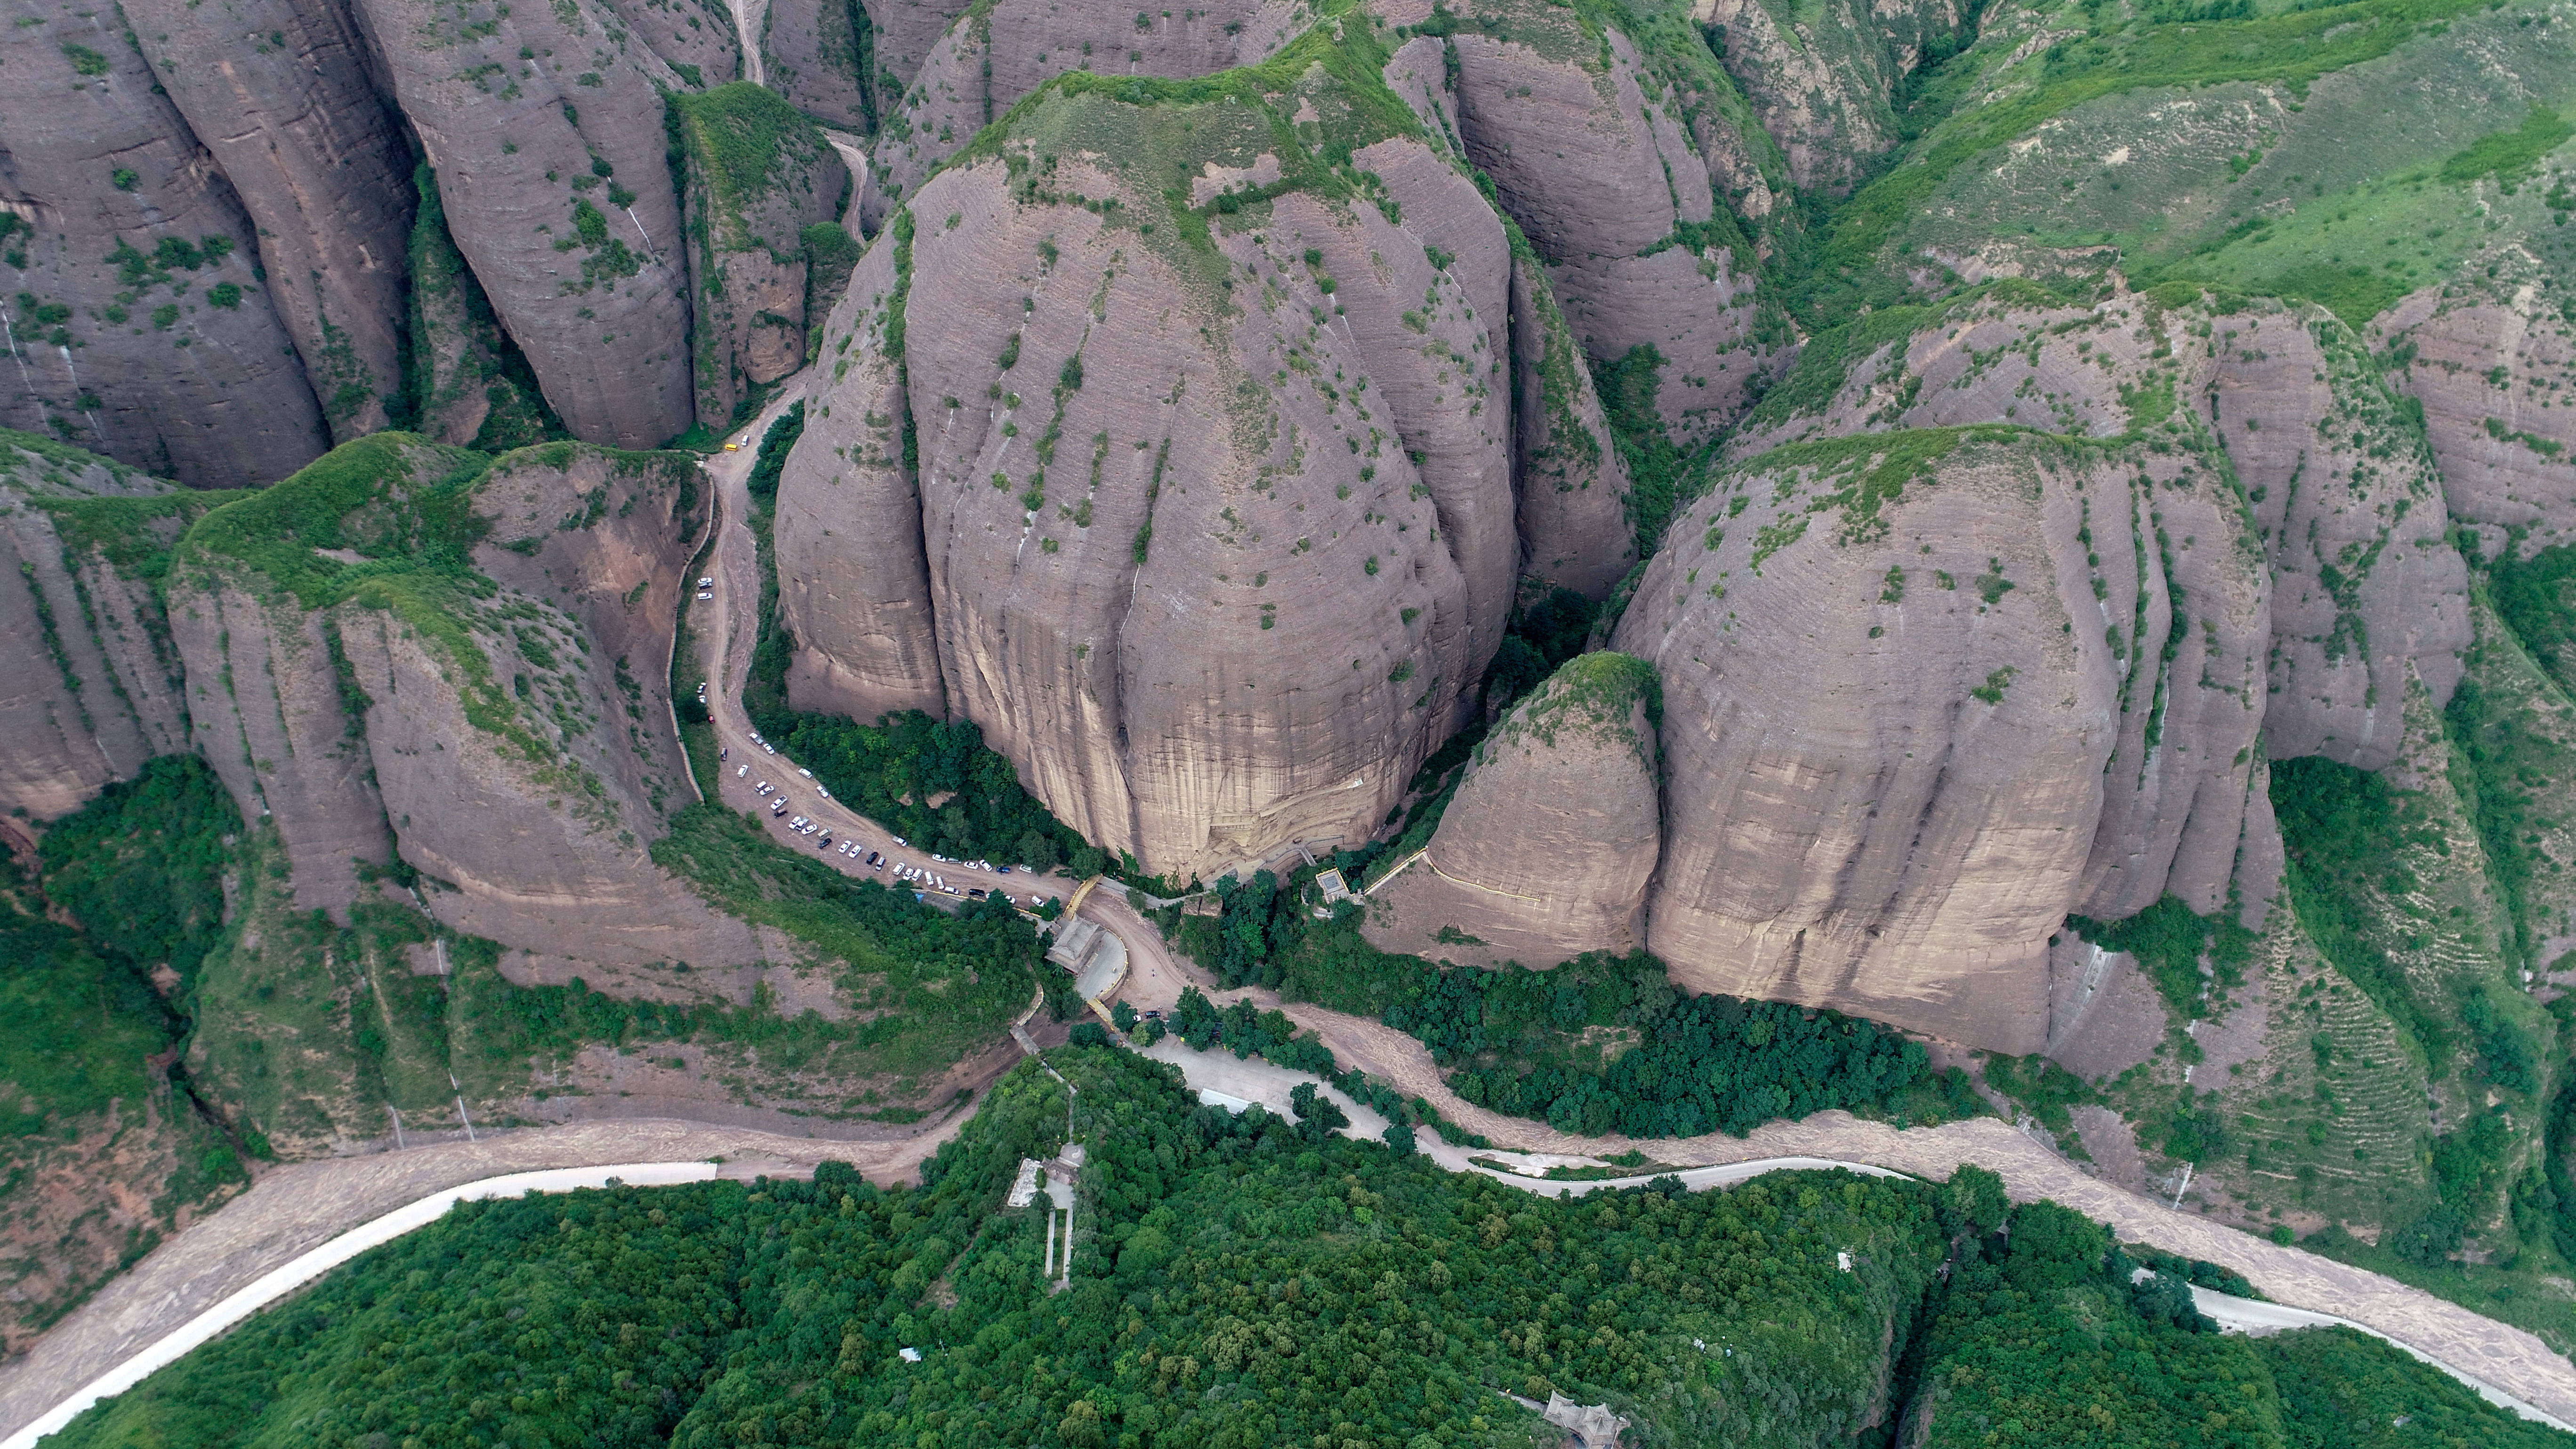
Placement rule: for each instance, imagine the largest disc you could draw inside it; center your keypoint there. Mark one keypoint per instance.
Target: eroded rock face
(320, 166)
(473, 387)
(1546, 849)
(1154, 482)
(1575, 512)
(89, 685)
(2366, 590)
(997, 54)
(758, 174)
(1587, 155)
(694, 37)
(1888, 709)
(900, 36)
(816, 52)
(853, 580)
(554, 176)
(267, 712)
(1822, 86)
(2487, 370)
(538, 818)
(152, 338)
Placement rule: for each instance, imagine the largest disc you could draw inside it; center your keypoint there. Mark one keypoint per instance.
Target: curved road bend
(2477, 1349)
(296, 1208)
(728, 628)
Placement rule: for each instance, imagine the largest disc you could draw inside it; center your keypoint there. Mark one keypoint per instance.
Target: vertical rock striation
(1545, 851)
(853, 582)
(140, 327)
(553, 172)
(278, 93)
(89, 682)
(1886, 720)
(757, 175)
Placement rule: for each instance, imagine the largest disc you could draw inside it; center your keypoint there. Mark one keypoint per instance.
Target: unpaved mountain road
(2511, 1359)
(295, 1208)
(727, 628)
(299, 1206)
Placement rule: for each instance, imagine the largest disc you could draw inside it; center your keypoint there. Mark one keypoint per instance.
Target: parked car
(975, 895)
(706, 583)
(778, 807)
(819, 790)
(742, 772)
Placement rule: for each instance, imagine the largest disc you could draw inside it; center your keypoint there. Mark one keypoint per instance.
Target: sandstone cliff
(2487, 369)
(900, 36)
(1154, 479)
(1822, 83)
(139, 324)
(1590, 152)
(278, 93)
(1577, 521)
(2366, 590)
(471, 385)
(89, 680)
(525, 752)
(817, 53)
(757, 174)
(1545, 851)
(853, 581)
(999, 52)
(545, 128)
(695, 38)
(1889, 710)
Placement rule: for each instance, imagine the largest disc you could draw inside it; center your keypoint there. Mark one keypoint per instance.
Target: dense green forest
(1601, 1043)
(1242, 1281)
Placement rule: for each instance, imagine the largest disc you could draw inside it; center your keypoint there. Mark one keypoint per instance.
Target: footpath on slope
(2479, 1350)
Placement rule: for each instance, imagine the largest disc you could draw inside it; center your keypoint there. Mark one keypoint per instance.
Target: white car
(808, 774)
(755, 737)
(742, 772)
(773, 749)
(819, 790)
(760, 789)
(706, 583)
(705, 594)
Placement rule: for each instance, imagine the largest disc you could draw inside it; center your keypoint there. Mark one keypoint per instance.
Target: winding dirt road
(2476, 1347)
(727, 628)
(295, 1208)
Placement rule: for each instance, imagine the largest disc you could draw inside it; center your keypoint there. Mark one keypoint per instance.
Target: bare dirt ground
(2509, 1358)
(297, 1207)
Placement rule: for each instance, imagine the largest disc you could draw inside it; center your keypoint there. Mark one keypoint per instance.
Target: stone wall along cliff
(1545, 851)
